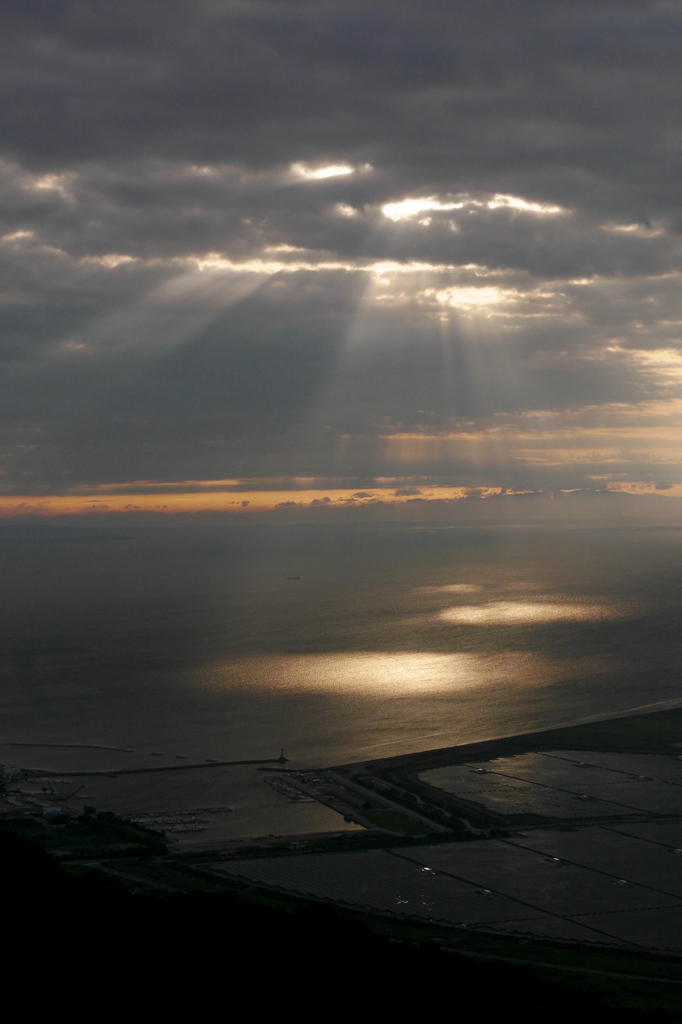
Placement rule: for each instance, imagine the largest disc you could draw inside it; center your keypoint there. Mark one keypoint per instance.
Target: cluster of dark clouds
(184, 300)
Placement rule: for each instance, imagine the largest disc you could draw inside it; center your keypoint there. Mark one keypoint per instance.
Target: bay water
(337, 644)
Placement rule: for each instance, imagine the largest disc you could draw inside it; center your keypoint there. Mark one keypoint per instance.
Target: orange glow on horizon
(209, 499)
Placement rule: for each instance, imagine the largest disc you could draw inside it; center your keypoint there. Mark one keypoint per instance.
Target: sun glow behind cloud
(516, 203)
(470, 297)
(405, 209)
(304, 170)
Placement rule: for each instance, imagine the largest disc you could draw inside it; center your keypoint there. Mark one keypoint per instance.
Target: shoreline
(649, 732)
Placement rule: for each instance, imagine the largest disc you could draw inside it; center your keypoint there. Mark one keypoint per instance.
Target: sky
(306, 257)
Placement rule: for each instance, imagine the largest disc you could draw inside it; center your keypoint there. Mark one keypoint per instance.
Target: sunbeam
(168, 316)
(418, 377)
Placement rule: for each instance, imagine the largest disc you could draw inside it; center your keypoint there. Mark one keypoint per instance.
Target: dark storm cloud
(578, 99)
(183, 299)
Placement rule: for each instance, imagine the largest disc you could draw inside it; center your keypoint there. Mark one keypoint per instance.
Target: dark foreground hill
(85, 939)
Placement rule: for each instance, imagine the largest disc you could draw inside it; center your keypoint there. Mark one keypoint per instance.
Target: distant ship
(293, 577)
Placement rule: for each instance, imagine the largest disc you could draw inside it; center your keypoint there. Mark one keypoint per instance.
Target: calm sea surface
(196, 642)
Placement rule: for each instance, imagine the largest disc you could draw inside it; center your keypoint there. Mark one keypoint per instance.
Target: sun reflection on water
(395, 674)
(452, 588)
(524, 613)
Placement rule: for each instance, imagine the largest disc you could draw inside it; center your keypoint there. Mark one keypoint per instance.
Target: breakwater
(157, 768)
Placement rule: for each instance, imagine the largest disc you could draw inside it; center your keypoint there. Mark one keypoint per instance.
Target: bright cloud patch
(332, 171)
(467, 298)
(405, 209)
(515, 203)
